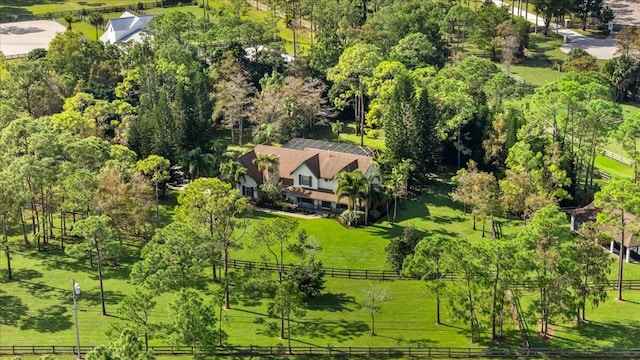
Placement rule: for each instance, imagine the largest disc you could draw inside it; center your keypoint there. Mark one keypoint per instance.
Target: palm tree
(370, 194)
(70, 19)
(199, 163)
(351, 185)
(268, 162)
(263, 133)
(232, 172)
(96, 19)
(394, 186)
(337, 127)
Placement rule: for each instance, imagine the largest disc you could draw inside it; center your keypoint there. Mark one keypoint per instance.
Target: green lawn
(25, 7)
(630, 109)
(538, 67)
(37, 310)
(613, 167)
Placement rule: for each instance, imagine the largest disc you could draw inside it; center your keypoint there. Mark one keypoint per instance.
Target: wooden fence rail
(364, 274)
(616, 157)
(354, 351)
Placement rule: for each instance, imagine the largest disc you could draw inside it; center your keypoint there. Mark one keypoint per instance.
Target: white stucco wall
(248, 182)
(304, 171)
(372, 171)
(327, 184)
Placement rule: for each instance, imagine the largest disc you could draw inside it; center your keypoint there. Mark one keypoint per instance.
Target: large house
(127, 27)
(308, 169)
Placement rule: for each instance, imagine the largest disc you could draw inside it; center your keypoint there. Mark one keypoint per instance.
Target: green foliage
(173, 259)
(192, 321)
(623, 72)
(488, 17)
(409, 124)
(351, 185)
(401, 247)
(546, 254)
(416, 51)
(579, 60)
(627, 135)
(310, 278)
(373, 296)
(126, 346)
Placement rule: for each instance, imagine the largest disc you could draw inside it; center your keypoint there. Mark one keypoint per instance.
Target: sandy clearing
(22, 37)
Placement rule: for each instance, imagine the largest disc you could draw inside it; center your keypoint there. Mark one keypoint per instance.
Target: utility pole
(76, 292)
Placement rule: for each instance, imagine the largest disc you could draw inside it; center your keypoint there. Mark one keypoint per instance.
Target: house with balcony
(308, 169)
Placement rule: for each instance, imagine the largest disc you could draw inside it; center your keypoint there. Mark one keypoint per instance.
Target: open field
(27, 7)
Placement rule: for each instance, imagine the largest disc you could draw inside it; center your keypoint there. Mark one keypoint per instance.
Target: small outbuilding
(630, 241)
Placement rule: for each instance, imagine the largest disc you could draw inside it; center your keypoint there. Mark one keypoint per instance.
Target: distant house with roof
(630, 240)
(127, 27)
(308, 169)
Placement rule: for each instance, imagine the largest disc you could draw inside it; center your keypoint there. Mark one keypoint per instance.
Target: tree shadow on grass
(331, 302)
(22, 275)
(445, 233)
(340, 330)
(510, 339)
(620, 334)
(50, 319)
(252, 287)
(42, 290)
(92, 298)
(13, 309)
(386, 231)
(445, 220)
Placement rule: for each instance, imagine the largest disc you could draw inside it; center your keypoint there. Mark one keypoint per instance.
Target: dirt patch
(21, 37)
(627, 11)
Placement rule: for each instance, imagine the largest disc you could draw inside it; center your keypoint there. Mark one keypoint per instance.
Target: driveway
(600, 48)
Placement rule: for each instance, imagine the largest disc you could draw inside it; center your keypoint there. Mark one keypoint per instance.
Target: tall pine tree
(409, 122)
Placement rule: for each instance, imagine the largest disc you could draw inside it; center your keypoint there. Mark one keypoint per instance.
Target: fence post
(366, 274)
(349, 273)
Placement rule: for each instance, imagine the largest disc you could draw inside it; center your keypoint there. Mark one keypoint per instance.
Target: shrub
(310, 278)
(374, 214)
(402, 246)
(351, 217)
(373, 134)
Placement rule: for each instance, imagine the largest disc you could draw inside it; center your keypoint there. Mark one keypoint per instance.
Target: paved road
(600, 48)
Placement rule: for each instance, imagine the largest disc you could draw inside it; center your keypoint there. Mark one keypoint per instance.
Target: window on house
(326, 204)
(247, 191)
(305, 180)
(305, 200)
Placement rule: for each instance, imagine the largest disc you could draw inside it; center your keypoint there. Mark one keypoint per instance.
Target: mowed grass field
(28, 7)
